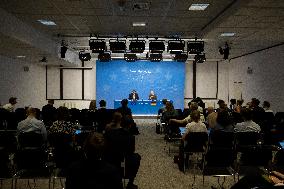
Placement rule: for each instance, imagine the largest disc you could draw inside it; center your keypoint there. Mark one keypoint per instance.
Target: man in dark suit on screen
(133, 95)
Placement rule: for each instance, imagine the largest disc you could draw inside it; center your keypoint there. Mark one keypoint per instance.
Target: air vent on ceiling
(141, 6)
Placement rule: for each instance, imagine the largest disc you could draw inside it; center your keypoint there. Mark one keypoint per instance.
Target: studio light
(200, 58)
(104, 57)
(176, 46)
(156, 46)
(181, 57)
(195, 47)
(130, 57)
(156, 57)
(84, 56)
(97, 45)
(137, 46)
(117, 46)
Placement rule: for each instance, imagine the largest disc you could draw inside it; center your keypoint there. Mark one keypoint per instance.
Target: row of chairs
(228, 154)
(29, 157)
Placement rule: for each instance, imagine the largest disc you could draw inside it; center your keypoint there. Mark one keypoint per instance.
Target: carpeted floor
(157, 169)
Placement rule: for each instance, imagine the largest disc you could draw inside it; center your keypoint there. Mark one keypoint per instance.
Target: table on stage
(145, 107)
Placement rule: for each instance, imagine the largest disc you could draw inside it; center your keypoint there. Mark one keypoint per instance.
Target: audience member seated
(233, 104)
(116, 121)
(62, 124)
(187, 120)
(239, 106)
(93, 106)
(127, 119)
(102, 116)
(162, 109)
(186, 111)
(31, 124)
(121, 146)
(266, 106)
(222, 105)
(224, 122)
(48, 113)
(11, 105)
(248, 125)
(194, 126)
(212, 117)
(169, 113)
(92, 171)
(255, 105)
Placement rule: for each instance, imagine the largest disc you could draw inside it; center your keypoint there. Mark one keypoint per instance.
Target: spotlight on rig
(176, 46)
(200, 58)
(156, 57)
(130, 57)
(97, 45)
(104, 57)
(84, 56)
(156, 46)
(195, 47)
(181, 57)
(117, 46)
(137, 46)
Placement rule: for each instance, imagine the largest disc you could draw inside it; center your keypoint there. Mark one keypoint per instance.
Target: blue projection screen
(117, 78)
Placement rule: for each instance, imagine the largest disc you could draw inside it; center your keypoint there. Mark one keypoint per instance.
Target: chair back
(8, 140)
(247, 138)
(222, 140)
(196, 142)
(30, 140)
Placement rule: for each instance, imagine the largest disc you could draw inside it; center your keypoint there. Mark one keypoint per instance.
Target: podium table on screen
(142, 107)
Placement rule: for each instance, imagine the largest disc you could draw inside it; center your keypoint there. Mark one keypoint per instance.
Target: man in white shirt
(248, 125)
(11, 105)
(31, 124)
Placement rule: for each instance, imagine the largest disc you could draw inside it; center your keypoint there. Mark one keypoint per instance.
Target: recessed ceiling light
(198, 6)
(138, 24)
(47, 22)
(228, 34)
(21, 56)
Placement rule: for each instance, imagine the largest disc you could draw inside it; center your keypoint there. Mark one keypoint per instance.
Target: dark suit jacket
(130, 97)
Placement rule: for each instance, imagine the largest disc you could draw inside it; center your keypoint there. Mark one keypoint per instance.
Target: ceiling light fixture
(156, 46)
(97, 45)
(21, 56)
(198, 6)
(47, 22)
(228, 34)
(137, 46)
(139, 24)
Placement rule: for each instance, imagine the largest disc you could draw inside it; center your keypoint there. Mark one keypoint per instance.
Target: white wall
(266, 81)
(27, 86)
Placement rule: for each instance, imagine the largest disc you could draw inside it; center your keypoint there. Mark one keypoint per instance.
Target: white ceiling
(257, 23)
